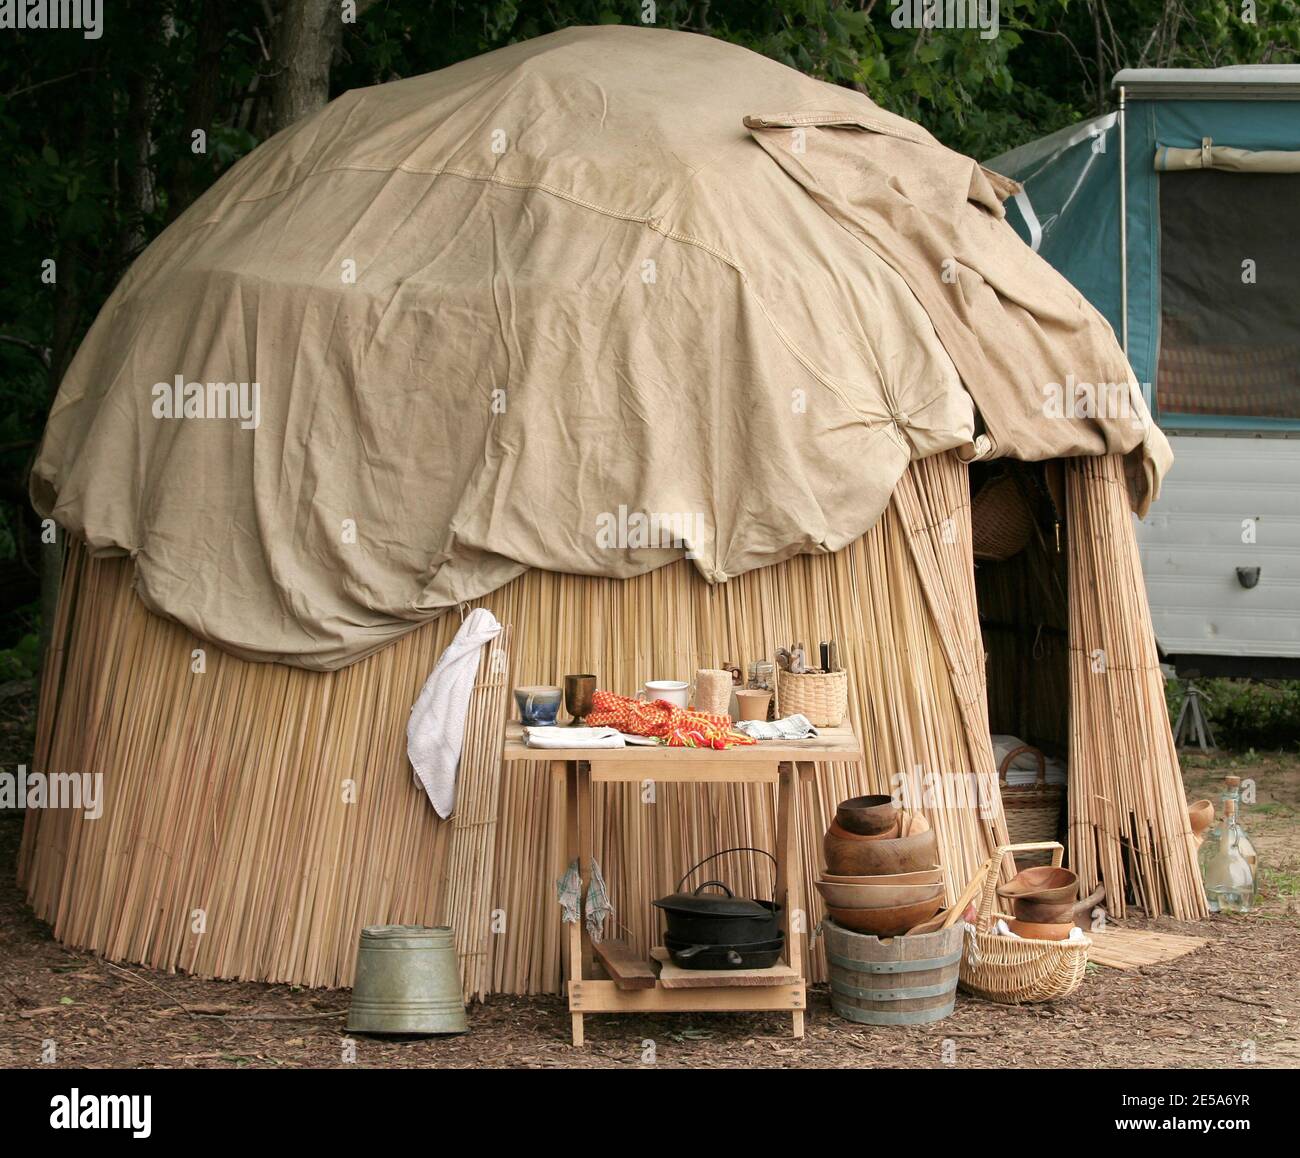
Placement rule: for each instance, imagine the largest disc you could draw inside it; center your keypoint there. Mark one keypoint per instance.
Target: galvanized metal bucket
(406, 982)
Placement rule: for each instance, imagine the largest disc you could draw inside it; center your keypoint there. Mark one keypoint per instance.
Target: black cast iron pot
(761, 956)
(699, 919)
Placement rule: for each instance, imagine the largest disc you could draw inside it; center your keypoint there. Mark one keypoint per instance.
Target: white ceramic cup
(676, 692)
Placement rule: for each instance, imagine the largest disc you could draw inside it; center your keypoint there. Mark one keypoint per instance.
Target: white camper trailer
(1178, 216)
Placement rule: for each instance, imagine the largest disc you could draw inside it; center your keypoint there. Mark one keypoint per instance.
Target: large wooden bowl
(876, 896)
(886, 922)
(1036, 932)
(844, 834)
(856, 856)
(927, 876)
(1034, 911)
(1044, 884)
(867, 815)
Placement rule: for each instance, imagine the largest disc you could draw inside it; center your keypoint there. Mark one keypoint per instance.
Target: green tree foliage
(98, 134)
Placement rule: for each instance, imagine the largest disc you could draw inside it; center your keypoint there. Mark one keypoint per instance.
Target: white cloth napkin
(1002, 929)
(435, 732)
(794, 727)
(562, 737)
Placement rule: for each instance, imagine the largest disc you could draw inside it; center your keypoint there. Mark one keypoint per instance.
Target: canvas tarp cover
(497, 312)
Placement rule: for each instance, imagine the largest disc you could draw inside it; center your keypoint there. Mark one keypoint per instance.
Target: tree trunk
(139, 195)
(309, 32)
(201, 106)
(1101, 60)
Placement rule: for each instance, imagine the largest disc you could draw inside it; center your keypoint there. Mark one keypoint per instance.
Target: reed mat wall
(1127, 809)
(256, 816)
(471, 856)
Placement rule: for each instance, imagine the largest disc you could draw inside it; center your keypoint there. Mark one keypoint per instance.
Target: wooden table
(633, 987)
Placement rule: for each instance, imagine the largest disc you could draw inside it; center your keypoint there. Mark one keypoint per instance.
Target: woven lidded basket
(1016, 971)
(1032, 811)
(821, 696)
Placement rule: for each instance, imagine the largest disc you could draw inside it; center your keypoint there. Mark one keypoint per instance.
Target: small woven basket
(1016, 971)
(1033, 811)
(821, 696)
(1002, 521)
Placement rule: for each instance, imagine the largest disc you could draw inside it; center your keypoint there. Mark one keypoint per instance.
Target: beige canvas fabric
(501, 315)
(1022, 337)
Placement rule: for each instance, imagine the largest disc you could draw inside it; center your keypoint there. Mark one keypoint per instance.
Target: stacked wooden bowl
(1043, 901)
(882, 875)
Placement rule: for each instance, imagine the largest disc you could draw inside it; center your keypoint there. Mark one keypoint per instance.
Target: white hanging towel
(436, 730)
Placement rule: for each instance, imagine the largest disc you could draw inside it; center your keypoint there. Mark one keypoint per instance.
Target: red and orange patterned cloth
(677, 727)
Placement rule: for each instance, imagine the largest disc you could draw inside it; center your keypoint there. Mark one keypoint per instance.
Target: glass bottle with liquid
(1232, 791)
(1229, 879)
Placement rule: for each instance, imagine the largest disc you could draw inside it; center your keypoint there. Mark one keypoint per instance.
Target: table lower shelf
(675, 977)
(606, 997)
(776, 989)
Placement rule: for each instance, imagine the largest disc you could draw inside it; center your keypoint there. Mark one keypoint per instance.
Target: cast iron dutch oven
(761, 956)
(711, 919)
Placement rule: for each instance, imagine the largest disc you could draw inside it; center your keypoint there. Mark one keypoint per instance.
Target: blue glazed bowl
(538, 705)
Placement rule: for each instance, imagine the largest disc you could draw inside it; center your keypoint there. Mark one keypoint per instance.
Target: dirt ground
(1235, 999)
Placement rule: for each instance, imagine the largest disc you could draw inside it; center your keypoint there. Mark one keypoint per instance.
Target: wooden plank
(626, 969)
(606, 997)
(673, 977)
(752, 771)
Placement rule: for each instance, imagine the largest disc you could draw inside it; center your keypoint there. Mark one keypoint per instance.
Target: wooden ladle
(947, 919)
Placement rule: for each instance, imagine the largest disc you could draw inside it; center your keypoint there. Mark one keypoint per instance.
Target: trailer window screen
(1229, 288)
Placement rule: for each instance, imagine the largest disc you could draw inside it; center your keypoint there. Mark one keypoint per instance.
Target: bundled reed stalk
(472, 855)
(258, 816)
(1127, 811)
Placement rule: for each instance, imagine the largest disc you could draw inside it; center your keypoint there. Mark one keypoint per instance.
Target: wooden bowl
(1083, 909)
(1042, 883)
(929, 876)
(1038, 912)
(867, 815)
(886, 922)
(876, 896)
(1037, 932)
(856, 856)
(1200, 815)
(912, 823)
(844, 834)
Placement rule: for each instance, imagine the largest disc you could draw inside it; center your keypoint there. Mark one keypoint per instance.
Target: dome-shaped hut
(443, 344)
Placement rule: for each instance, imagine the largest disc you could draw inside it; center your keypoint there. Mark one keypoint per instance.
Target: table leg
(573, 810)
(789, 877)
(561, 856)
(586, 851)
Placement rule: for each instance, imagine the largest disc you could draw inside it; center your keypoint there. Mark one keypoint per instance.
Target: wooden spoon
(947, 919)
(969, 893)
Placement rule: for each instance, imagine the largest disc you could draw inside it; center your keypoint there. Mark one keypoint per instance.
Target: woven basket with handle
(1033, 811)
(821, 696)
(1017, 971)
